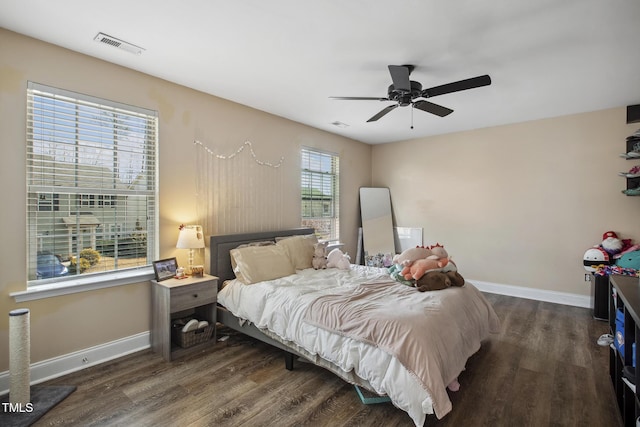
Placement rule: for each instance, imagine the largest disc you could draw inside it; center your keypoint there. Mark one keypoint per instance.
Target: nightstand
(176, 298)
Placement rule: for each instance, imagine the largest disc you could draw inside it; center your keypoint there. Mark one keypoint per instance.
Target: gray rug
(42, 400)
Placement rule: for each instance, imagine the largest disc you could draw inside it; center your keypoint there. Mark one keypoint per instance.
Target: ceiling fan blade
(471, 83)
(400, 77)
(432, 108)
(358, 98)
(383, 112)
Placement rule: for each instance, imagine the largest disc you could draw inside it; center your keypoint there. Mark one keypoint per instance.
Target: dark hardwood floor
(543, 369)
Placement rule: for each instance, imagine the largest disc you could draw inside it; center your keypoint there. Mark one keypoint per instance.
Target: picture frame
(197, 271)
(165, 268)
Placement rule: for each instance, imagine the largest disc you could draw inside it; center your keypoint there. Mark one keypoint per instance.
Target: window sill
(83, 284)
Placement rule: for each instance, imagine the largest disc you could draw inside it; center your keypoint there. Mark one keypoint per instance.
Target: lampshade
(190, 237)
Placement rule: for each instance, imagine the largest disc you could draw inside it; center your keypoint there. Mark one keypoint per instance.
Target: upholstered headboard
(219, 247)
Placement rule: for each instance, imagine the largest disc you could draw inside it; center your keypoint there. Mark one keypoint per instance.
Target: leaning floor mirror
(377, 224)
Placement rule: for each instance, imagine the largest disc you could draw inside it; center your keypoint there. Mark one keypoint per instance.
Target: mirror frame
(377, 221)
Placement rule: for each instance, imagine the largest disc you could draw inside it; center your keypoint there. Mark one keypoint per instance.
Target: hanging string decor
(238, 151)
(238, 192)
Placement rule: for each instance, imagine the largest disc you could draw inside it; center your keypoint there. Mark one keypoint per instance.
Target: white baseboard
(72, 362)
(534, 294)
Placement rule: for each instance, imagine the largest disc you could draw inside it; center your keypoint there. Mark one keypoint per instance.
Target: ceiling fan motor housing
(403, 97)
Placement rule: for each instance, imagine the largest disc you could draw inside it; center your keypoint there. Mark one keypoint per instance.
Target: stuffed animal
(418, 268)
(456, 279)
(437, 280)
(594, 257)
(616, 246)
(337, 259)
(319, 260)
(433, 281)
(630, 260)
(408, 256)
(611, 243)
(609, 252)
(438, 258)
(394, 272)
(624, 251)
(439, 251)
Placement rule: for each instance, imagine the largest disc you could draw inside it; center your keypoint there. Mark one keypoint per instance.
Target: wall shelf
(632, 152)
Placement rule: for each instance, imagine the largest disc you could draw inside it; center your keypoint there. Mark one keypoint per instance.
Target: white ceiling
(545, 57)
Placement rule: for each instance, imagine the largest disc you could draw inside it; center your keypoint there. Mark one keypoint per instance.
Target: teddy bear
(319, 260)
(437, 280)
(338, 259)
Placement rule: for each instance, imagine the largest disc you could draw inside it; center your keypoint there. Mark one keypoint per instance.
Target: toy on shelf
(613, 256)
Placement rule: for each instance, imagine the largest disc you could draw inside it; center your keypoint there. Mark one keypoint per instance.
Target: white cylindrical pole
(19, 356)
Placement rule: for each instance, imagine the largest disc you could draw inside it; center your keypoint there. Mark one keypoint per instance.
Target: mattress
(280, 308)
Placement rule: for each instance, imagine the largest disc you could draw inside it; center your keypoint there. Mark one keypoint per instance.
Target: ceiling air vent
(120, 44)
(339, 124)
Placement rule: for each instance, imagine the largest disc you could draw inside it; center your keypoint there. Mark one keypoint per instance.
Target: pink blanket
(431, 333)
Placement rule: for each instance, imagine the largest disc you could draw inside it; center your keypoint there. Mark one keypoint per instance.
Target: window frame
(107, 199)
(322, 175)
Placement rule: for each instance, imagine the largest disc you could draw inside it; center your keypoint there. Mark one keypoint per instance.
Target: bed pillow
(259, 263)
(234, 267)
(299, 249)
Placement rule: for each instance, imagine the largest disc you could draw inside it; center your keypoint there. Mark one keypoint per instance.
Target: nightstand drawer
(184, 297)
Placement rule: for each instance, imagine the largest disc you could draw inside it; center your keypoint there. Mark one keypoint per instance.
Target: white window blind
(91, 185)
(320, 193)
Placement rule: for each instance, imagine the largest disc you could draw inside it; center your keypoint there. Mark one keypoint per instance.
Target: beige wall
(514, 205)
(520, 204)
(65, 324)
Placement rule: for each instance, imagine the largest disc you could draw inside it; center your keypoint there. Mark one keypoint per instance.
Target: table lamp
(191, 238)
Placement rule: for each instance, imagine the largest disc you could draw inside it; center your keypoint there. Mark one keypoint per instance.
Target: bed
(358, 323)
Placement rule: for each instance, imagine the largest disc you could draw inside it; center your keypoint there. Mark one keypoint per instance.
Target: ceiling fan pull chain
(411, 116)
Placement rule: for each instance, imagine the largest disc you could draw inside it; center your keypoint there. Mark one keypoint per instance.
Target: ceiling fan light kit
(405, 92)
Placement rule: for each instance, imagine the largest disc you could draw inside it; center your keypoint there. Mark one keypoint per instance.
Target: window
(91, 184)
(320, 185)
(48, 202)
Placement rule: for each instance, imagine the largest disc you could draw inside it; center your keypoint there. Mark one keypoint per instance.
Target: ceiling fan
(408, 92)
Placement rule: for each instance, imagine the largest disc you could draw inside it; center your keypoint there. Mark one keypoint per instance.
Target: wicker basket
(191, 338)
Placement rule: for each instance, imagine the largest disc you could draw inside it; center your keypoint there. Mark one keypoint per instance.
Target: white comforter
(280, 306)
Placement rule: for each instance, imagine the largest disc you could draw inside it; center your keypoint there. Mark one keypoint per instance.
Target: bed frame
(220, 266)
